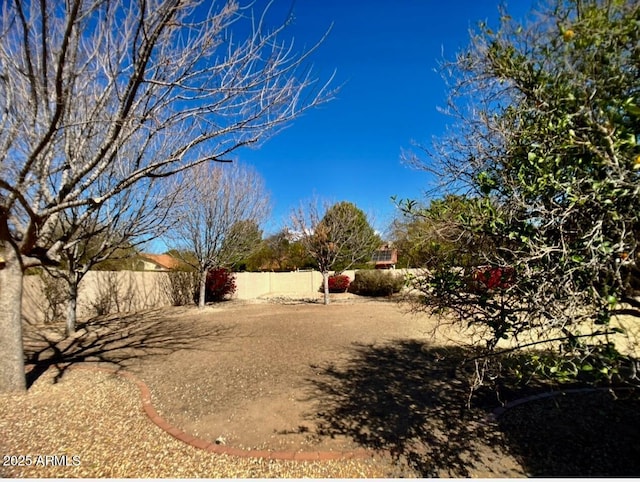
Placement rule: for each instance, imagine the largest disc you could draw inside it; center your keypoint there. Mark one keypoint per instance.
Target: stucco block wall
(135, 290)
(296, 283)
(116, 291)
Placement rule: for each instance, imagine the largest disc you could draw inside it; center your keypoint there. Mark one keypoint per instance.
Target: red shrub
(490, 277)
(338, 283)
(220, 283)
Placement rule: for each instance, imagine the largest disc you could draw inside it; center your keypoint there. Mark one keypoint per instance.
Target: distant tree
(547, 132)
(279, 249)
(217, 223)
(441, 233)
(257, 260)
(298, 257)
(336, 239)
(187, 258)
(407, 236)
(249, 235)
(99, 96)
(282, 252)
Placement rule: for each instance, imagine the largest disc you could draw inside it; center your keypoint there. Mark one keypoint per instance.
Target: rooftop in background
(159, 262)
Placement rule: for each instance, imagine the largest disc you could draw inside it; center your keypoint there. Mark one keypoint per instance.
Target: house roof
(165, 261)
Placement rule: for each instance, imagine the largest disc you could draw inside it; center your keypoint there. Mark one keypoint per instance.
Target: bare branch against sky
(99, 95)
(212, 223)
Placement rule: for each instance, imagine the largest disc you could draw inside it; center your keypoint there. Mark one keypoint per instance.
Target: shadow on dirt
(407, 400)
(116, 340)
(413, 400)
(592, 434)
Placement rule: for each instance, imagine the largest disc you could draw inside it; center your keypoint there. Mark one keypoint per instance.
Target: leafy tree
(440, 234)
(286, 253)
(298, 257)
(278, 252)
(407, 234)
(547, 132)
(274, 253)
(100, 96)
(336, 241)
(249, 235)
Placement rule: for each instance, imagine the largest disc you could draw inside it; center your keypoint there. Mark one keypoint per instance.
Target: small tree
(336, 240)
(216, 225)
(109, 236)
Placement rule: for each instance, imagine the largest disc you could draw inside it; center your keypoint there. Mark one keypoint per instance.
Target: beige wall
(304, 284)
(114, 291)
(136, 290)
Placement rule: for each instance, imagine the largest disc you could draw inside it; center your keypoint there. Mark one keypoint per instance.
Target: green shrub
(373, 282)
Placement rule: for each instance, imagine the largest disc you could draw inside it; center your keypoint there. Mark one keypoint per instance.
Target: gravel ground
(290, 376)
(95, 419)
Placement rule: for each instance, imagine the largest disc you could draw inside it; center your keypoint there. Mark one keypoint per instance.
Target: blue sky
(386, 53)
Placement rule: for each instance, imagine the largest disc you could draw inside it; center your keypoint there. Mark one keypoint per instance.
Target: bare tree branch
(213, 219)
(336, 236)
(100, 95)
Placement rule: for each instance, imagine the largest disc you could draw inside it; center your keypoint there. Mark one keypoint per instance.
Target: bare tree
(212, 225)
(99, 95)
(336, 237)
(112, 232)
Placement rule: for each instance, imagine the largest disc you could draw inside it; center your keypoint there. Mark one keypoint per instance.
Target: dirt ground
(285, 375)
(252, 380)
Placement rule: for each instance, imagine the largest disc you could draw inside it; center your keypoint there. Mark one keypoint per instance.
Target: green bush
(372, 282)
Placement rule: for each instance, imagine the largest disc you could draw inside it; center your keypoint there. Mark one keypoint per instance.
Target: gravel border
(198, 443)
(89, 424)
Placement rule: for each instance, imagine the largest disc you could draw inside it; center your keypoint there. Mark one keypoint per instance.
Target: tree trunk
(72, 305)
(12, 376)
(325, 284)
(203, 285)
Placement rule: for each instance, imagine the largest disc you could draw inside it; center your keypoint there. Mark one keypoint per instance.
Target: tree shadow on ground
(413, 400)
(117, 341)
(405, 398)
(591, 434)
